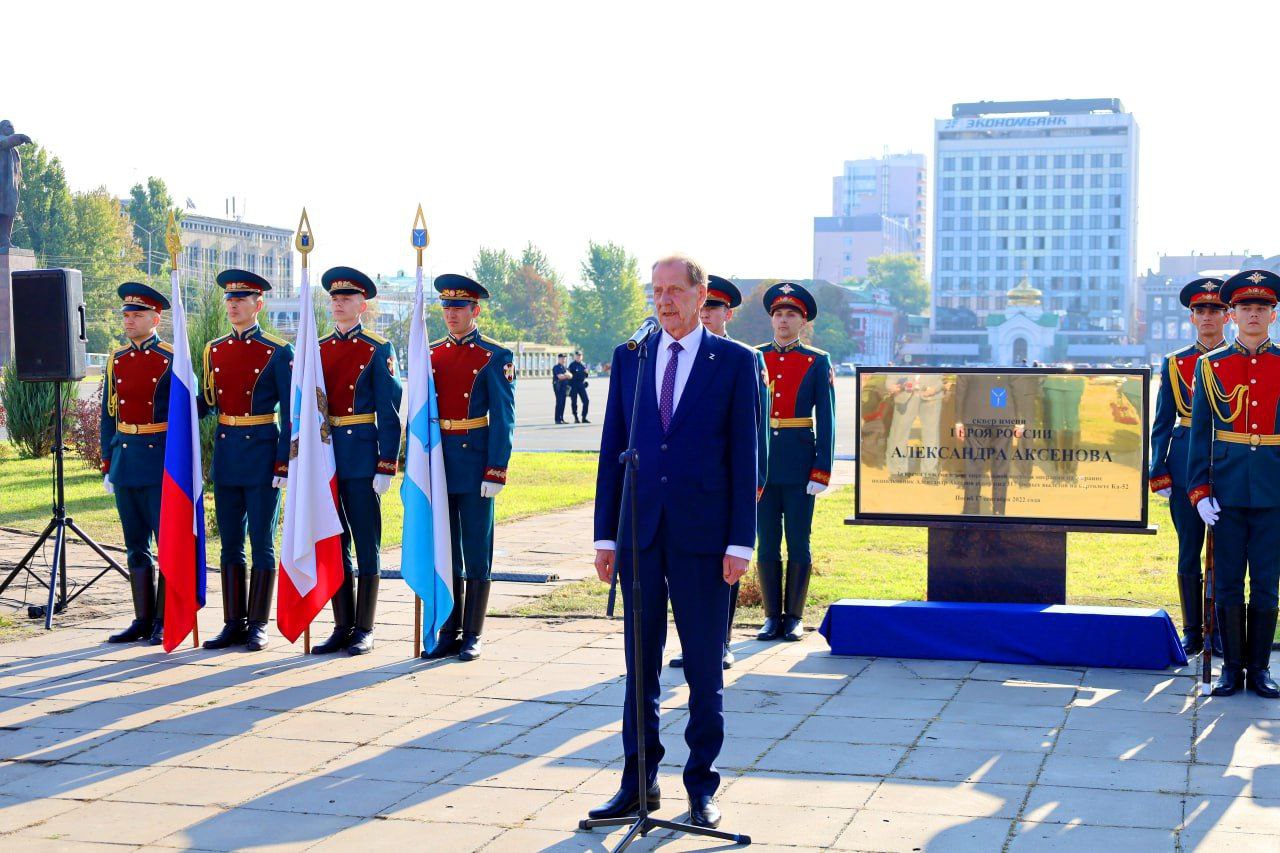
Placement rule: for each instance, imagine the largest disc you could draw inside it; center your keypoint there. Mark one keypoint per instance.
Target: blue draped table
(1053, 634)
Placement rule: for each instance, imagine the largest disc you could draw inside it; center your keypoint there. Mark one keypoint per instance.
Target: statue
(10, 180)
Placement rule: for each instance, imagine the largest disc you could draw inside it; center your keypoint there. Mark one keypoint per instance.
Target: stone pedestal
(12, 261)
(1006, 564)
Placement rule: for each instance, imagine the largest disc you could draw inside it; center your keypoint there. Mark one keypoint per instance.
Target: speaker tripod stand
(58, 528)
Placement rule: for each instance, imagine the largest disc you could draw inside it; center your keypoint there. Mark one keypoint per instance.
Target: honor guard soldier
(1169, 440)
(578, 374)
(135, 415)
(1233, 480)
(723, 297)
(475, 389)
(801, 417)
(364, 420)
(246, 381)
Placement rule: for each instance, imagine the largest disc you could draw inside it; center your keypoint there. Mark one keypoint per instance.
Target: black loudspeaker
(49, 334)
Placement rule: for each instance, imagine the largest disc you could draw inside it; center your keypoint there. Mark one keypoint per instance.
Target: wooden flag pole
(304, 241)
(173, 243)
(420, 238)
(306, 640)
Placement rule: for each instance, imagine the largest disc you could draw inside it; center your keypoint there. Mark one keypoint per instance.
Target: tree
(751, 324)
(610, 303)
(106, 255)
(149, 208)
(46, 219)
(901, 277)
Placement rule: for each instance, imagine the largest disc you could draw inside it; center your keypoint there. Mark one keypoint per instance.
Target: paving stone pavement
(109, 747)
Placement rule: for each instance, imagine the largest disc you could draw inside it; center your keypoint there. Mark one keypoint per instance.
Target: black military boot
(473, 613)
(770, 573)
(366, 608)
(1231, 622)
(261, 585)
(157, 624)
(234, 603)
(797, 591)
(1191, 597)
(144, 602)
(1259, 631)
(449, 639)
(344, 619)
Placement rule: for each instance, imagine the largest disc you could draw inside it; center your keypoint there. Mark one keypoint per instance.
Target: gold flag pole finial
(421, 238)
(173, 240)
(304, 241)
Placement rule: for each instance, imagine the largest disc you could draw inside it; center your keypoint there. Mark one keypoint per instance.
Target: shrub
(29, 408)
(82, 430)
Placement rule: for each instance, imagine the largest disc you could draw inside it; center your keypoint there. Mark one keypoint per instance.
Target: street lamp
(148, 233)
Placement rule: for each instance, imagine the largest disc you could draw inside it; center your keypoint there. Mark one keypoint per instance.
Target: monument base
(984, 563)
(1054, 635)
(11, 261)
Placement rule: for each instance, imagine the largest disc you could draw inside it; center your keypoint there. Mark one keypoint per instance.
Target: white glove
(1164, 493)
(381, 482)
(106, 484)
(1209, 509)
(490, 490)
(279, 482)
(814, 488)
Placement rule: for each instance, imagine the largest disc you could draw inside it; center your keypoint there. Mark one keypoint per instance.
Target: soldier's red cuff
(759, 493)
(495, 475)
(106, 466)
(823, 477)
(1164, 481)
(387, 466)
(282, 469)
(1198, 494)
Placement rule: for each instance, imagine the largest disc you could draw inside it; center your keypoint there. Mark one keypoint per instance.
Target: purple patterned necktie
(666, 403)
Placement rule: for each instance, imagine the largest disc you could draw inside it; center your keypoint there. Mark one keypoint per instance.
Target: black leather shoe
(256, 637)
(1259, 681)
(1259, 632)
(771, 629)
(727, 660)
(139, 629)
(703, 811)
(232, 634)
(337, 641)
(1230, 681)
(344, 617)
(1192, 644)
(585, 421)
(446, 647)
(677, 662)
(1231, 620)
(626, 803)
(792, 629)
(157, 633)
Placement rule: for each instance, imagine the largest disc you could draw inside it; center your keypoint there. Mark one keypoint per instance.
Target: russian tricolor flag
(311, 543)
(181, 545)
(426, 555)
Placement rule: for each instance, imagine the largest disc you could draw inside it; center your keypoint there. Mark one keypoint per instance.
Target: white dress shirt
(684, 366)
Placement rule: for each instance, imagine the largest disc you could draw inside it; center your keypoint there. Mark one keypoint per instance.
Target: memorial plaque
(1042, 445)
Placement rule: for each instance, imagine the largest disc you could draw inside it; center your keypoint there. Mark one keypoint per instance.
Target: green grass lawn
(539, 482)
(889, 563)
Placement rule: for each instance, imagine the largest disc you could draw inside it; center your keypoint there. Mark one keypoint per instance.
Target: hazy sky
(711, 128)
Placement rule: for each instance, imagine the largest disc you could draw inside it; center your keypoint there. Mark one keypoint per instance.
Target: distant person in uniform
(134, 422)
(578, 387)
(1170, 437)
(560, 378)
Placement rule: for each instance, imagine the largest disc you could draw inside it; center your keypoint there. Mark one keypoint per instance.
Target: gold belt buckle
(446, 423)
(1255, 439)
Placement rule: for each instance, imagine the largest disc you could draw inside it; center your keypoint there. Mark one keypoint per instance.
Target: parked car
(846, 368)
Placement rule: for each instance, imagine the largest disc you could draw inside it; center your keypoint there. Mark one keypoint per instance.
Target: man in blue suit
(694, 521)
(1169, 436)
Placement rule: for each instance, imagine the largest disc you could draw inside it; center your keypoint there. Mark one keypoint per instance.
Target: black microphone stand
(643, 822)
(57, 528)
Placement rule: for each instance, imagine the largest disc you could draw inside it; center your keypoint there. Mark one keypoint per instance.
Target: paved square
(110, 747)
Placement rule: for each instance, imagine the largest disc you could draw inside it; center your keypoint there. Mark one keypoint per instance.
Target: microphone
(647, 328)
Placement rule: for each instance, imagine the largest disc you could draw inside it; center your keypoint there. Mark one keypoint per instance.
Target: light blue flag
(426, 556)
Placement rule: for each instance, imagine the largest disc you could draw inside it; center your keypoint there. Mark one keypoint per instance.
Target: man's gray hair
(697, 275)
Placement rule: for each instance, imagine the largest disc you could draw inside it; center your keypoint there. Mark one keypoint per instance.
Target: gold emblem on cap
(1257, 278)
(786, 288)
(1210, 286)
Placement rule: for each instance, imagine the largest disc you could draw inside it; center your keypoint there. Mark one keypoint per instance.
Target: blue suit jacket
(699, 477)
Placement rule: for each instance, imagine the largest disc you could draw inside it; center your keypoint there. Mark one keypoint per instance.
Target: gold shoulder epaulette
(166, 346)
(373, 336)
(275, 339)
(438, 342)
